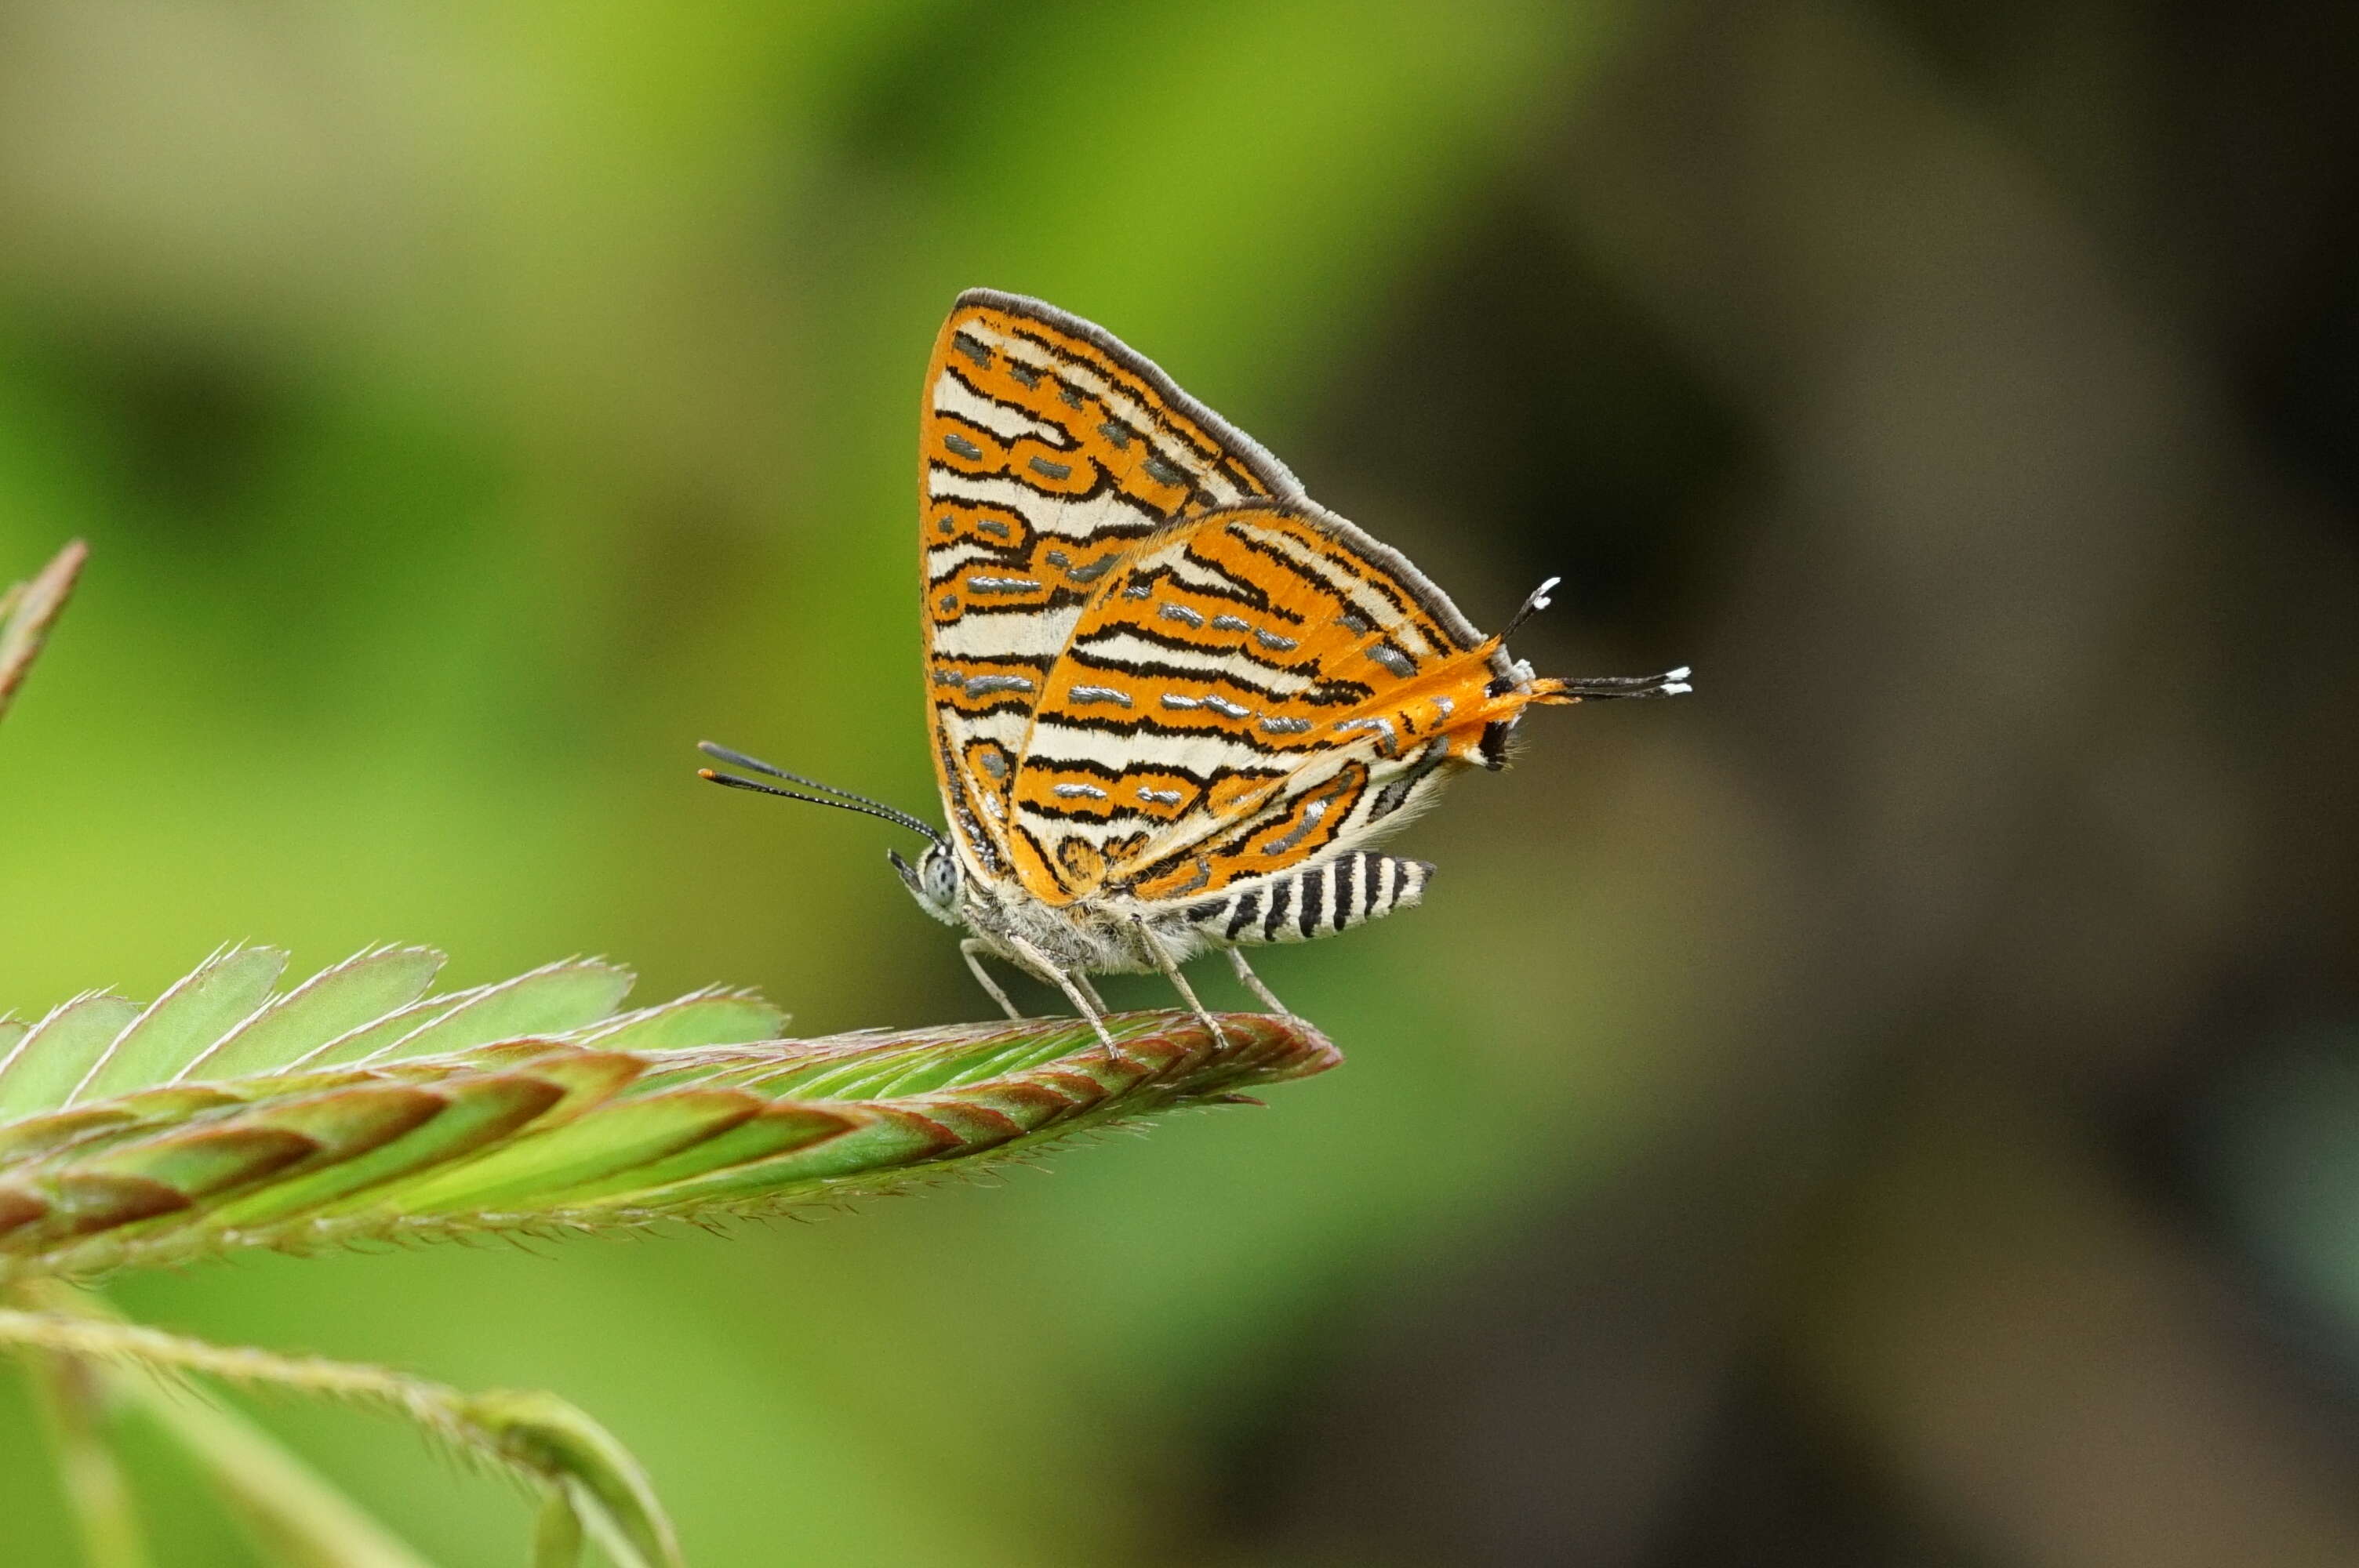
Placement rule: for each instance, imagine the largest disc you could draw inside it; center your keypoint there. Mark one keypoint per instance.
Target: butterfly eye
(938, 871)
(933, 881)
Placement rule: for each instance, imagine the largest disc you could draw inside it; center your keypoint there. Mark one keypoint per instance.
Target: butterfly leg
(1252, 982)
(1040, 964)
(971, 950)
(1163, 960)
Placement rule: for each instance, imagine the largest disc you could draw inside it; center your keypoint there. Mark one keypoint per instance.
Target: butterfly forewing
(1050, 453)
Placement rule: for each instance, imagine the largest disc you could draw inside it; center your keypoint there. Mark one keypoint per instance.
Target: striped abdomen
(1315, 900)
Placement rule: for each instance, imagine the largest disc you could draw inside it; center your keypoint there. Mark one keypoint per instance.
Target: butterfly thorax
(1094, 934)
(1103, 934)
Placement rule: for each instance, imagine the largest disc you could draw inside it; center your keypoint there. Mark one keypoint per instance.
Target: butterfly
(1175, 702)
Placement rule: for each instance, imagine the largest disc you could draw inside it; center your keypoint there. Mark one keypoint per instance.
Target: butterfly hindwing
(1249, 690)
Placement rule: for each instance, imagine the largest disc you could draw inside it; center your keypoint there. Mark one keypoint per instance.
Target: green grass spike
(668, 1113)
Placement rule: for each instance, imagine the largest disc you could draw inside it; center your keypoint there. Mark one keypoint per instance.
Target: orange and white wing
(1252, 689)
(1051, 452)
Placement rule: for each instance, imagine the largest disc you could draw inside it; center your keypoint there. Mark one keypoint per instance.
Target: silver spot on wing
(981, 584)
(1286, 726)
(1052, 470)
(963, 448)
(1091, 573)
(1312, 814)
(1392, 659)
(1078, 792)
(1160, 797)
(1084, 695)
(1179, 612)
(1221, 705)
(983, 685)
(1274, 643)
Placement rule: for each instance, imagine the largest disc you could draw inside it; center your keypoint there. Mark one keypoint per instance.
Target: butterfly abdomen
(1314, 901)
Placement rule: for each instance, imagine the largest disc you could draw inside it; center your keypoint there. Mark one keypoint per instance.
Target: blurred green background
(1898, 1105)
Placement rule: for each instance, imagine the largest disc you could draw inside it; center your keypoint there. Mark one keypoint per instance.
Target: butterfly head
(935, 881)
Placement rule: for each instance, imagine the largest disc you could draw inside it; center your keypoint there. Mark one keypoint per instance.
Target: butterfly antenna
(740, 759)
(1534, 602)
(830, 794)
